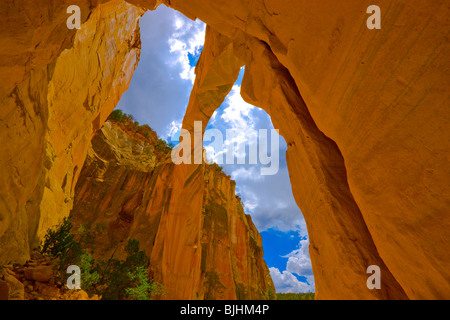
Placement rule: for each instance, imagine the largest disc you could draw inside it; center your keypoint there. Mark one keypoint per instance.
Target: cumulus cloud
(238, 119)
(213, 117)
(299, 261)
(273, 203)
(251, 173)
(237, 127)
(268, 198)
(250, 201)
(188, 38)
(160, 88)
(173, 130)
(286, 282)
(237, 111)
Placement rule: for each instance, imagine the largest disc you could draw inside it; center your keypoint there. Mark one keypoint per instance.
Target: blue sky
(158, 95)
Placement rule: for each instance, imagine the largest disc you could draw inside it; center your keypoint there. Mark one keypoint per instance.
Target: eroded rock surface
(125, 189)
(364, 112)
(365, 115)
(57, 88)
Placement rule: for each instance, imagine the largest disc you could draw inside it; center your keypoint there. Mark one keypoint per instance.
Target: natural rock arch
(267, 84)
(270, 36)
(364, 110)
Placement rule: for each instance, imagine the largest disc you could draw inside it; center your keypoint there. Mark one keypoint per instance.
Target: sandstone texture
(130, 191)
(57, 88)
(12, 288)
(37, 279)
(40, 273)
(364, 113)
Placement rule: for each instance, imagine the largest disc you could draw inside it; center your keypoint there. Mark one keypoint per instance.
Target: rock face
(37, 279)
(58, 86)
(12, 288)
(364, 115)
(40, 273)
(124, 188)
(364, 112)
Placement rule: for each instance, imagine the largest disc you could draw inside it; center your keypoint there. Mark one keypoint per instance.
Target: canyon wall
(129, 191)
(57, 88)
(364, 112)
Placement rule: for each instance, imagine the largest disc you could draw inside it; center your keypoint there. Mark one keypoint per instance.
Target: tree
(116, 115)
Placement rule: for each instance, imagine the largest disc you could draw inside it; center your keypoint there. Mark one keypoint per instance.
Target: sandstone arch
(370, 110)
(339, 42)
(335, 225)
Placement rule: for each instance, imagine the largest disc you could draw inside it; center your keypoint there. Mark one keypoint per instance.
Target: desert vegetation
(111, 279)
(295, 296)
(143, 132)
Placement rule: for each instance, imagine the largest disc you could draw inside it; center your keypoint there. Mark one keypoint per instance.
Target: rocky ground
(37, 279)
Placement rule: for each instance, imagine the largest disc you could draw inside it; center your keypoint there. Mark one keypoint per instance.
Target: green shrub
(148, 151)
(58, 241)
(127, 280)
(141, 287)
(116, 115)
(112, 279)
(216, 167)
(270, 294)
(130, 117)
(162, 146)
(239, 198)
(128, 121)
(89, 274)
(296, 296)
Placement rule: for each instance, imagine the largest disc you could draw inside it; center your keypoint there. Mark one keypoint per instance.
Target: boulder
(39, 273)
(4, 290)
(16, 288)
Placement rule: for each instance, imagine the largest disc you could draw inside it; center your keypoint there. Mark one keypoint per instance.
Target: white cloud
(299, 261)
(238, 118)
(157, 94)
(173, 129)
(273, 206)
(188, 37)
(237, 112)
(237, 131)
(251, 173)
(178, 22)
(286, 282)
(213, 117)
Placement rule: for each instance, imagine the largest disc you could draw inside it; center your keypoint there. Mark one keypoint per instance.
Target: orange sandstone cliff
(364, 113)
(126, 186)
(57, 88)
